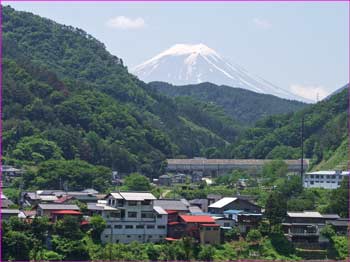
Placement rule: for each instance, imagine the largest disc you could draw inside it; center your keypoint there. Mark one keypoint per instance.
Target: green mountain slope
(279, 136)
(242, 105)
(66, 97)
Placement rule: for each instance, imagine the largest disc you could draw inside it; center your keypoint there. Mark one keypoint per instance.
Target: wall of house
(209, 235)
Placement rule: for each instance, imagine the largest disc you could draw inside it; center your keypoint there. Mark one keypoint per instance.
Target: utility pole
(302, 151)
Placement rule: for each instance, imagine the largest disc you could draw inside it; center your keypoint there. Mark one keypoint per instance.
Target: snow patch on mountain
(184, 64)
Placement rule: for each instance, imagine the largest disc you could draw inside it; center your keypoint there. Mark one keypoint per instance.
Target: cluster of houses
(140, 216)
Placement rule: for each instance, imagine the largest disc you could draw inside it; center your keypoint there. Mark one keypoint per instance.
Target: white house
(324, 179)
(132, 216)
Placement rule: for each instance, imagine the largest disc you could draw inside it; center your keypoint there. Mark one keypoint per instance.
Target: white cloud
(262, 23)
(123, 22)
(311, 92)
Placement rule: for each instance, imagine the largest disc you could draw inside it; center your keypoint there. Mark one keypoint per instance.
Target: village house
(52, 210)
(233, 203)
(5, 202)
(6, 213)
(134, 217)
(305, 226)
(200, 227)
(164, 180)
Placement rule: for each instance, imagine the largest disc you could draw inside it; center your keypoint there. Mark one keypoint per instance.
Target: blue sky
(303, 47)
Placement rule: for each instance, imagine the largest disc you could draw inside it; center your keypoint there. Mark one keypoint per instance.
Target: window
(159, 216)
(226, 224)
(208, 228)
(215, 228)
(128, 236)
(132, 214)
(312, 176)
(147, 215)
(150, 226)
(317, 176)
(118, 226)
(115, 214)
(140, 226)
(129, 226)
(146, 202)
(132, 203)
(311, 182)
(161, 227)
(140, 236)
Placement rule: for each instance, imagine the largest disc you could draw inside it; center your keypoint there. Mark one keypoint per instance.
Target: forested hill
(66, 98)
(242, 105)
(325, 135)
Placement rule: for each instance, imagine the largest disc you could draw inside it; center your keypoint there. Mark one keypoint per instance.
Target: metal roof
(58, 207)
(47, 198)
(329, 172)
(171, 204)
(137, 196)
(133, 196)
(100, 206)
(331, 216)
(195, 209)
(9, 211)
(339, 223)
(305, 214)
(223, 202)
(197, 219)
(159, 210)
(116, 195)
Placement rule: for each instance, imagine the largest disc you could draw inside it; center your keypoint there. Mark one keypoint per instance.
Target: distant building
(132, 216)
(324, 179)
(9, 173)
(164, 180)
(219, 166)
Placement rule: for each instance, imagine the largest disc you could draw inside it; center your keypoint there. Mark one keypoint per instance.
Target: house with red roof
(202, 228)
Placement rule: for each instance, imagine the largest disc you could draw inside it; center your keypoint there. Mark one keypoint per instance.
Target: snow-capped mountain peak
(184, 64)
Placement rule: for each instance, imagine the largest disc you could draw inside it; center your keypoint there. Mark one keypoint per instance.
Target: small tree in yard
(254, 236)
(276, 208)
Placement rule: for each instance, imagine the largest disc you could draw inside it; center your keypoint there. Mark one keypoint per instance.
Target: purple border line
(348, 231)
(1, 129)
(213, 1)
(348, 166)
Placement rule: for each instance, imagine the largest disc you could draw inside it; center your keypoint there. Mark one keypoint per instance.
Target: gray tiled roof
(58, 207)
(170, 204)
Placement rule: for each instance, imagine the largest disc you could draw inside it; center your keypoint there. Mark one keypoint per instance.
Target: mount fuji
(184, 64)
